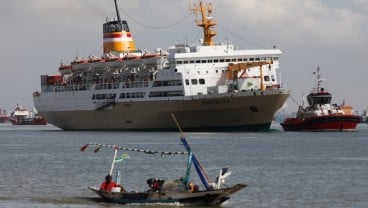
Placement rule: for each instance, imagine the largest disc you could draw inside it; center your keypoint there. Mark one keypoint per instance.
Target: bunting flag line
(100, 146)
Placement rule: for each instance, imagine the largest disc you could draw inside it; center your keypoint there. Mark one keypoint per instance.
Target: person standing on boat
(108, 184)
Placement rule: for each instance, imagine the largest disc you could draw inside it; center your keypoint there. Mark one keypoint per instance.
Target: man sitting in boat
(155, 184)
(108, 184)
(190, 186)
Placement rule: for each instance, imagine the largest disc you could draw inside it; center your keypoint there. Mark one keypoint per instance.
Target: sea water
(42, 166)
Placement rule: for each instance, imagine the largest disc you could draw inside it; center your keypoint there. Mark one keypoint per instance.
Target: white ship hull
(242, 111)
(209, 87)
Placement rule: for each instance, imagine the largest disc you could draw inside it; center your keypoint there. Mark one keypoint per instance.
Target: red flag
(83, 148)
(98, 149)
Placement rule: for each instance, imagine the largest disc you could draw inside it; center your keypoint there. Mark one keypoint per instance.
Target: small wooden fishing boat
(170, 191)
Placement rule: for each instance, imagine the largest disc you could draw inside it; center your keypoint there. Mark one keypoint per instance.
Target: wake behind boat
(210, 87)
(180, 190)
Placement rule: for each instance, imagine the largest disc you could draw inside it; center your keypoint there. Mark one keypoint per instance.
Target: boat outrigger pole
(113, 160)
(201, 173)
(117, 11)
(192, 159)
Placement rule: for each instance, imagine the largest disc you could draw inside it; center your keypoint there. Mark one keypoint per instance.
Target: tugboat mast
(318, 79)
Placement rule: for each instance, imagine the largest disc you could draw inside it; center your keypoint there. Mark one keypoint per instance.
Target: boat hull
(29, 121)
(322, 123)
(228, 112)
(4, 119)
(206, 198)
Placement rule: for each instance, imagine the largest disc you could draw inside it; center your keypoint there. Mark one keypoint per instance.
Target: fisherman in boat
(108, 184)
(191, 186)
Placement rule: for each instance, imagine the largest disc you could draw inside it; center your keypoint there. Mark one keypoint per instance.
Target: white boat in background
(209, 87)
(21, 116)
(365, 116)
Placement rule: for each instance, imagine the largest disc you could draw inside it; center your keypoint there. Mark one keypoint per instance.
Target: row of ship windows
(138, 95)
(203, 61)
(104, 86)
(195, 81)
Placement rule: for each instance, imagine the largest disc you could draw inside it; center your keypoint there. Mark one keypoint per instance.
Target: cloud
(69, 10)
(298, 22)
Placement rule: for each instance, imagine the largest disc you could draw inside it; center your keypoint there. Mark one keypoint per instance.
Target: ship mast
(318, 79)
(117, 11)
(206, 21)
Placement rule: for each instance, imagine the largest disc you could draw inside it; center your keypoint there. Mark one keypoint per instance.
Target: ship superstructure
(209, 87)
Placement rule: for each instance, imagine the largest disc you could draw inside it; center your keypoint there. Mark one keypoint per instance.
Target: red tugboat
(4, 117)
(320, 114)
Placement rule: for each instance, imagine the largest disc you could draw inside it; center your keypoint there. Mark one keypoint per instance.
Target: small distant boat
(365, 116)
(180, 191)
(4, 117)
(21, 116)
(321, 115)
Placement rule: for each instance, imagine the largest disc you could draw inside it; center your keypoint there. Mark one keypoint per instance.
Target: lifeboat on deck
(80, 64)
(151, 59)
(114, 62)
(133, 60)
(97, 63)
(65, 69)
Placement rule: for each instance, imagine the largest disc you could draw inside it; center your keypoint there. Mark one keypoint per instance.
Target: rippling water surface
(41, 166)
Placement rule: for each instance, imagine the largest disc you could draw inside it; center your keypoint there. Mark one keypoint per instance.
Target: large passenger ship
(209, 87)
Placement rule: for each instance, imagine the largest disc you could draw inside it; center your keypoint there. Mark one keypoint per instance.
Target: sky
(36, 35)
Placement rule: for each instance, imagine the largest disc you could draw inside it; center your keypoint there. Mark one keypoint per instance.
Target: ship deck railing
(97, 86)
(67, 88)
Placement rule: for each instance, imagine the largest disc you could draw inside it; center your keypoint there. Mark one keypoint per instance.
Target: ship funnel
(116, 35)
